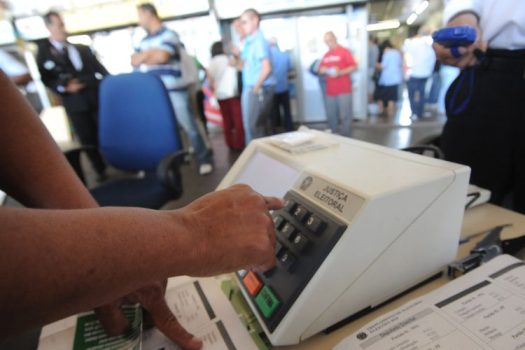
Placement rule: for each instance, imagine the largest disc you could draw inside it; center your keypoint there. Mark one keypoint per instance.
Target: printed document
(484, 309)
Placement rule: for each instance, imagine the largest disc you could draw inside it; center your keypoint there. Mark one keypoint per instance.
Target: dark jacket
(56, 72)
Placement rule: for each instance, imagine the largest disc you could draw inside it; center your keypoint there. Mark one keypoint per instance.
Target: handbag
(189, 72)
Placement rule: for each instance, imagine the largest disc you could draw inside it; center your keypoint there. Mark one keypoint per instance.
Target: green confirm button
(267, 301)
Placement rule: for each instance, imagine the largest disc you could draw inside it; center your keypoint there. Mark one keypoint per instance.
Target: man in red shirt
(336, 66)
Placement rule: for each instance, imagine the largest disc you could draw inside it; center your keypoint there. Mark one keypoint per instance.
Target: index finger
(274, 203)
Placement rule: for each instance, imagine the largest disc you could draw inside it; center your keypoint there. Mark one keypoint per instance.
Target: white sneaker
(205, 169)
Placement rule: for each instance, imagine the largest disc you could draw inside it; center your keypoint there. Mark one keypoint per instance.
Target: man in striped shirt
(159, 54)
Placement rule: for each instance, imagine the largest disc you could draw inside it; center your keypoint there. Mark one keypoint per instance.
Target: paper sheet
(199, 305)
(484, 309)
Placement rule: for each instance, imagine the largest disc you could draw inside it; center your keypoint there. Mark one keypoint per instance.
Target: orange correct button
(252, 283)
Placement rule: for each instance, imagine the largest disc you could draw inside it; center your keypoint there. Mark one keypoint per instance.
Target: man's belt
(510, 62)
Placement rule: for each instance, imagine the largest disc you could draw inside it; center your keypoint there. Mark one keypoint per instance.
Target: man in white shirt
(421, 59)
(486, 103)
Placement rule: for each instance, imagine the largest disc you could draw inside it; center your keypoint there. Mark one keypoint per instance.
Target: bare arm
(348, 70)
(266, 70)
(151, 56)
(59, 262)
(34, 171)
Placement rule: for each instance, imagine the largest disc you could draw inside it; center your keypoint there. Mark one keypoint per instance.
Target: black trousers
(489, 135)
(85, 125)
(284, 119)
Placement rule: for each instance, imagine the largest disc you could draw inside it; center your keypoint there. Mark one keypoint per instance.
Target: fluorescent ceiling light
(412, 18)
(421, 7)
(384, 25)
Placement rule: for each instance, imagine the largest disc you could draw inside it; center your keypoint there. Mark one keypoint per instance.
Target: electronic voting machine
(362, 223)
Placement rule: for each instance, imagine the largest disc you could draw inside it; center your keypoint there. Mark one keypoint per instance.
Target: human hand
(73, 86)
(231, 229)
(467, 54)
(151, 297)
(136, 59)
(235, 51)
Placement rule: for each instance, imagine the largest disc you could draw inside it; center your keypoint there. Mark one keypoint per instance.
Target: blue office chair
(138, 132)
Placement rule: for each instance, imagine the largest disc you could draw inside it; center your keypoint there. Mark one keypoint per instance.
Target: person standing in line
(74, 73)
(373, 57)
(222, 78)
(485, 105)
(432, 98)
(337, 65)
(420, 59)
(258, 81)
(160, 53)
(282, 70)
(390, 77)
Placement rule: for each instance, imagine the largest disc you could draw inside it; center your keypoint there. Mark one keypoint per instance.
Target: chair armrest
(168, 173)
(435, 152)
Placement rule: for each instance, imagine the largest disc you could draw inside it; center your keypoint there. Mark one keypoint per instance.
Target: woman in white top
(222, 79)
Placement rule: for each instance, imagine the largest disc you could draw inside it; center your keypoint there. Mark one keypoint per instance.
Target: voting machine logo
(361, 336)
(306, 183)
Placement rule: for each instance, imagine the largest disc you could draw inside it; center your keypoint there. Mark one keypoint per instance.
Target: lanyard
(468, 76)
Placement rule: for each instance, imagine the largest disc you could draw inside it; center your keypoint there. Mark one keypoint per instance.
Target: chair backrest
(137, 125)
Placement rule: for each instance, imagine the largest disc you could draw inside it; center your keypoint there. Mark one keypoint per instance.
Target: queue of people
(414, 64)
(255, 102)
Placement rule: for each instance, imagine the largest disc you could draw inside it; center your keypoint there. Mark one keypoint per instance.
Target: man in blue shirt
(281, 70)
(258, 82)
(159, 53)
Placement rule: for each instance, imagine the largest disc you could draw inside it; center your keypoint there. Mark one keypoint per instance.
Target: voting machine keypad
(305, 236)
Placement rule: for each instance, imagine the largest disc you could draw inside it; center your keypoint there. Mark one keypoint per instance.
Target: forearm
(155, 56)
(34, 171)
(348, 70)
(64, 261)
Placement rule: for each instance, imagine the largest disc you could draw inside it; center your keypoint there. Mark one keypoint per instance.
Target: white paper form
(203, 309)
(484, 309)
(199, 305)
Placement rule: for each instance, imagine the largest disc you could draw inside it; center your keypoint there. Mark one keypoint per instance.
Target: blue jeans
(256, 112)
(180, 101)
(416, 95)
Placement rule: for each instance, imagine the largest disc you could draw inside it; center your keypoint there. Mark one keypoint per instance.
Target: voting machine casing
(362, 223)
